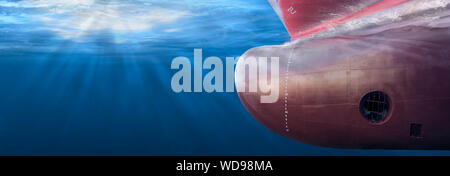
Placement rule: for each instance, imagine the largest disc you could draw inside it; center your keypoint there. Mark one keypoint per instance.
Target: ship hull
(324, 84)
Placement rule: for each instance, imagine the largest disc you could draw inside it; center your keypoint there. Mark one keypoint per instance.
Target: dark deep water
(108, 92)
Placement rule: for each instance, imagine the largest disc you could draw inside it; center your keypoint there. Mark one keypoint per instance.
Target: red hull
(323, 83)
(308, 17)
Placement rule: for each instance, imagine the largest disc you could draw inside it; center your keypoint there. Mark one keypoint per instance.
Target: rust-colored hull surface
(323, 81)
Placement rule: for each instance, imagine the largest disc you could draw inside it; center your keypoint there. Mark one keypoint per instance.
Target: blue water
(104, 90)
